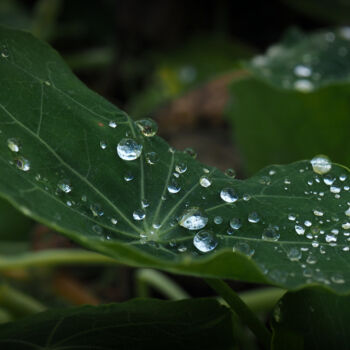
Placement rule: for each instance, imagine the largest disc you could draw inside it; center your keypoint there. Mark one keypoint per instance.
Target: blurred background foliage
(190, 66)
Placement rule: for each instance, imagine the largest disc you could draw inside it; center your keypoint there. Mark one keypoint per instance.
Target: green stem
(53, 257)
(146, 278)
(242, 310)
(18, 303)
(263, 299)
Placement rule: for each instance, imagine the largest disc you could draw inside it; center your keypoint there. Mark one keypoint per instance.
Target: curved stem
(53, 257)
(146, 278)
(242, 310)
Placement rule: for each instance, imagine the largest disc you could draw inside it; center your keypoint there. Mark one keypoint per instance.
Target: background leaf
(286, 226)
(300, 90)
(140, 323)
(312, 318)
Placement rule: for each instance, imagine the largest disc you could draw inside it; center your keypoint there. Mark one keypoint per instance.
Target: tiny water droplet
(230, 173)
(181, 168)
(148, 127)
(64, 186)
(253, 217)
(139, 214)
(129, 149)
(152, 158)
(103, 144)
(204, 241)
(193, 219)
(302, 71)
(270, 234)
(218, 220)
(13, 144)
(321, 164)
(235, 223)
(303, 85)
(22, 163)
(244, 248)
(191, 152)
(112, 124)
(114, 221)
(205, 181)
(128, 176)
(294, 254)
(96, 209)
(173, 186)
(228, 195)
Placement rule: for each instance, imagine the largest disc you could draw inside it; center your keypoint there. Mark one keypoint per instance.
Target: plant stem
(53, 257)
(19, 303)
(146, 278)
(263, 299)
(242, 310)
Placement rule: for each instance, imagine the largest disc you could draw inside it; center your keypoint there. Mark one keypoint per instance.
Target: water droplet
(114, 221)
(112, 124)
(342, 177)
(13, 144)
(145, 203)
(253, 217)
(321, 164)
(311, 259)
(300, 230)
(265, 180)
(191, 152)
(244, 248)
(139, 214)
(173, 186)
(205, 181)
(230, 173)
(291, 217)
(235, 223)
(337, 278)
(181, 168)
(218, 220)
(294, 254)
(148, 127)
(193, 219)
(64, 186)
(152, 158)
(302, 71)
(270, 234)
(103, 144)
(318, 212)
(303, 85)
(96, 209)
(204, 241)
(228, 195)
(22, 163)
(98, 229)
(330, 238)
(335, 189)
(128, 176)
(129, 149)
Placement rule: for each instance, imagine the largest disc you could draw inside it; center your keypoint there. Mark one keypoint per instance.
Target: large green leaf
(294, 101)
(136, 324)
(137, 211)
(312, 319)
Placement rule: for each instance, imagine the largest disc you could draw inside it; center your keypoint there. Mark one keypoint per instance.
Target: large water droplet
(204, 241)
(321, 164)
(64, 186)
(148, 127)
(22, 163)
(228, 195)
(13, 144)
(193, 219)
(129, 149)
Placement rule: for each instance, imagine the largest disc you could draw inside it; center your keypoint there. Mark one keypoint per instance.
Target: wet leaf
(299, 85)
(78, 164)
(136, 324)
(312, 318)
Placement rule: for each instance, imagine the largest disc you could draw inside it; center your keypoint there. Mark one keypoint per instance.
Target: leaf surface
(286, 226)
(136, 324)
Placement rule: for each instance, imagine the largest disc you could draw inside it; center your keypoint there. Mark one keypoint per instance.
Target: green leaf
(137, 211)
(300, 89)
(312, 319)
(136, 324)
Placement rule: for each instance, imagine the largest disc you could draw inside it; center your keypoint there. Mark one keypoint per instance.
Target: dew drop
(318, 212)
(235, 223)
(96, 209)
(139, 214)
(270, 234)
(97, 229)
(300, 230)
(244, 248)
(302, 71)
(253, 217)
(303, 85)
(294, 254)
(148, 127)
(193, 219)
(173, 186)
(112, 124)
(13, 144)
(191, 152)
(337, 278)
(64, 186)
(321, 164)
(228, 195)
(22, 163)
(218, 220)
(103, 144)
(114, 221)
(204, 241)
(181, 168)
(230, 173)
(205, 181)
(128, 177)
(152, 158)
(129, 149)
(291, 217)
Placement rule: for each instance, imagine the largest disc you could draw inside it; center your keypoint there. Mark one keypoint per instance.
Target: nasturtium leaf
(294, 101)
(86, 169)
(312, 318)
(136, 324)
